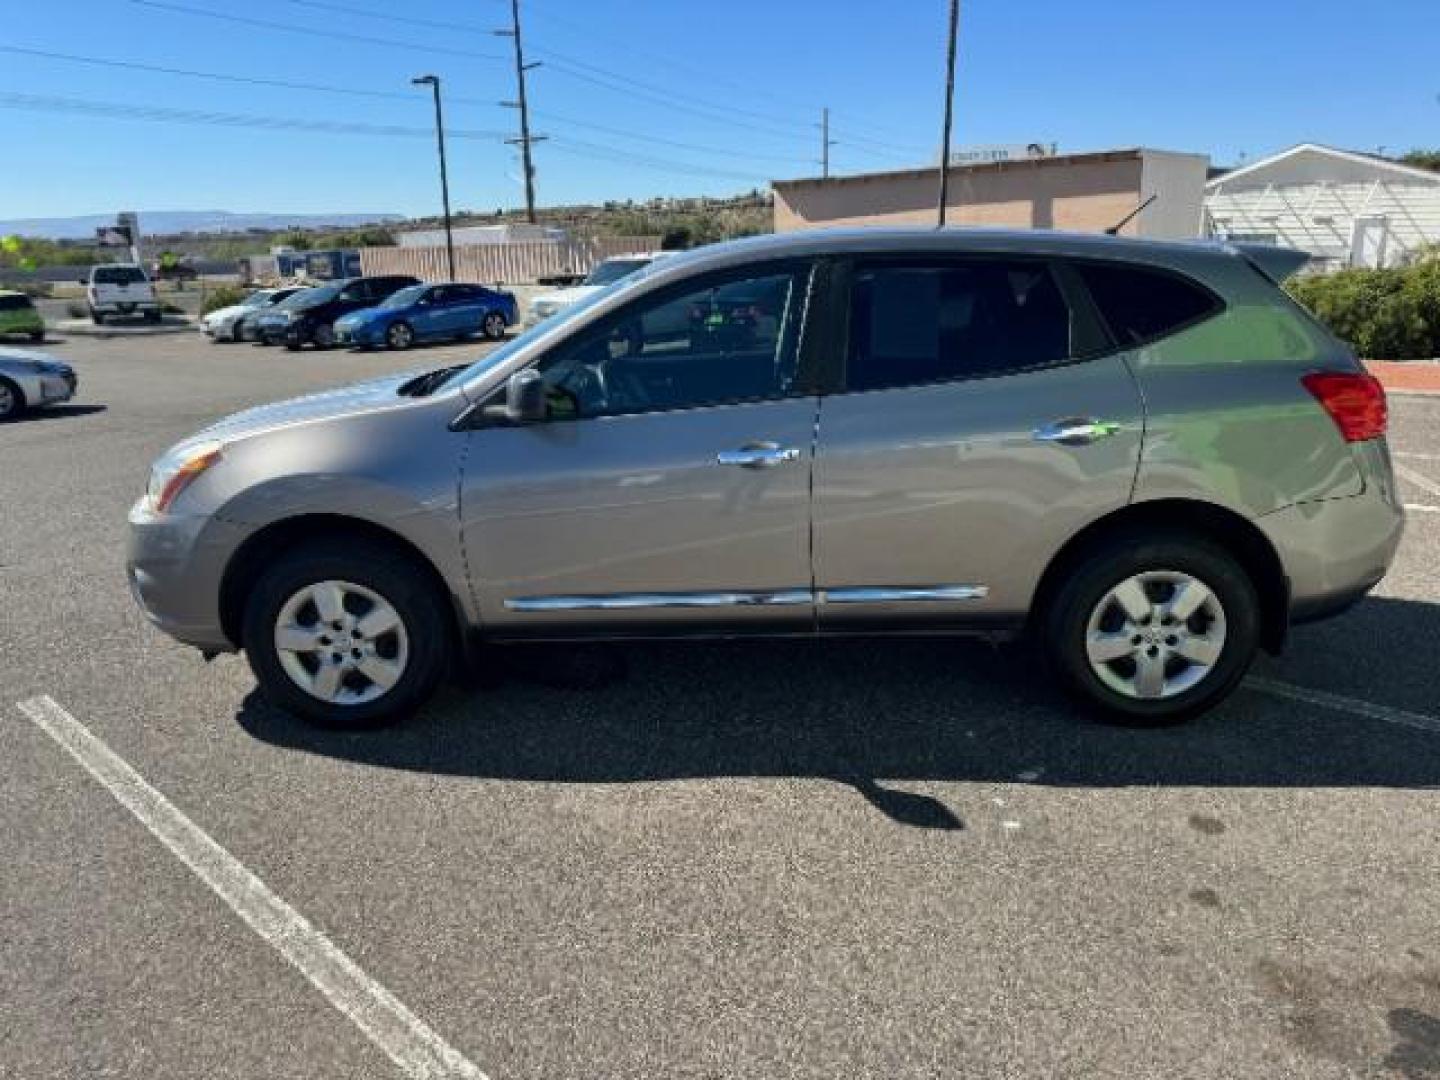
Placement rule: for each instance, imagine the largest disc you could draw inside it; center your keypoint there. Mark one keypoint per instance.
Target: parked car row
(394, 311)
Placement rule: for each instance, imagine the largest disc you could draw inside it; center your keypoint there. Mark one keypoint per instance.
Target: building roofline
(1124, 154)
(1344, 155)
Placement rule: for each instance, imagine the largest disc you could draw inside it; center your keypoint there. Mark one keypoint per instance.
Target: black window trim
(1218, 306)
(843, 316)
(807, 270)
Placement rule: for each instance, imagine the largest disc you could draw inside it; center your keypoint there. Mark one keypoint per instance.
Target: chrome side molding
(892, 596)
(631, 601)
(778, 598)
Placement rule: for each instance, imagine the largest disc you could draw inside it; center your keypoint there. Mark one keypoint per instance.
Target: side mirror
(524, 399)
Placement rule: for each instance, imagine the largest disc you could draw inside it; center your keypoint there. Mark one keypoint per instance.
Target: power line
(163, 114)
(549, 15)
(385, 95)
(659, 140)
(82, 106)
(291, 28)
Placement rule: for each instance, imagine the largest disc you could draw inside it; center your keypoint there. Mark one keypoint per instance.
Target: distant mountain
(165, 222)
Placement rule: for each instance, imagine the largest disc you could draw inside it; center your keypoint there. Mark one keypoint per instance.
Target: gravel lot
(896, 859)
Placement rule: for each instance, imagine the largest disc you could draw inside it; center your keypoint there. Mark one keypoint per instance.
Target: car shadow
(874, 713)
(57, 412)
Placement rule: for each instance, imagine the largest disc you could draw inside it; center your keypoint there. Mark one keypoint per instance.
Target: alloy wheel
(1155, 635)
(494, 326)
(341, 643)
(7, 401)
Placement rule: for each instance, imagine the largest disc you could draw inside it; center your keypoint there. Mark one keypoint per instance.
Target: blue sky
(739, 83)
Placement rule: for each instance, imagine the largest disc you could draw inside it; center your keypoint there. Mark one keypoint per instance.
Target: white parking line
(1415, 455)
(419, 1052)
(1419, 479)
(1421, 508)
(1339, 702)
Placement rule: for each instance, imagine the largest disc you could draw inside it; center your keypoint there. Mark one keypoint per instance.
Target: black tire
(292, 346)
(98, 318)
(1064, 623)
(12, 402)
(399, 336)
(323, 336)
(152, 317)
(388, 573)
(493, 326)
(237, 333)
(37, 337)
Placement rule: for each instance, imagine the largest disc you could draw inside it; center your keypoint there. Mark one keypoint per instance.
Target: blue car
(430, 313)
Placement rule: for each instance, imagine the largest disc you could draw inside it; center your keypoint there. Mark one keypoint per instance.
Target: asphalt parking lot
(897, 859)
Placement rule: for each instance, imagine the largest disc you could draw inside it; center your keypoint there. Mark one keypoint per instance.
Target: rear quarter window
(16, 302)
(1140, 304)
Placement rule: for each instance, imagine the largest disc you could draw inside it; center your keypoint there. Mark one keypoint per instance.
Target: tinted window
(118, 275)
(730, 340)
(14, 302)
(1139, 304)
(930, 323)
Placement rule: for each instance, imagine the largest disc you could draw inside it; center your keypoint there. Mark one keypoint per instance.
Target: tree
(1423, 159)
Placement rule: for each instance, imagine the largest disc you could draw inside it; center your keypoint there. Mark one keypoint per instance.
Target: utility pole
(433, 81)
(523, 105)
(949, 109)
(825, 143)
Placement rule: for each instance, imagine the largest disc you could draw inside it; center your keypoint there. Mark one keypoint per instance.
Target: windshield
(490, 361)
(612, 270)
(118, 275)
(311, 297)
(257, 299)
(406, 297)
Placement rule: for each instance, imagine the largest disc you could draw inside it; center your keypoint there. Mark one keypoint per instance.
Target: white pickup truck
(121, 289)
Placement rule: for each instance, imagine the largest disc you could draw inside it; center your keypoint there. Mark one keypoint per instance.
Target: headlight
(174, 472)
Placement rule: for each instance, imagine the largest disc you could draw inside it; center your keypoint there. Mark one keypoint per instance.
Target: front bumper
(174, 566)
(57, 388)
(362, 334)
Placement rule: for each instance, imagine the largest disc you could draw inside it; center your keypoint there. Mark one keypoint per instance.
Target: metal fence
(512, 263)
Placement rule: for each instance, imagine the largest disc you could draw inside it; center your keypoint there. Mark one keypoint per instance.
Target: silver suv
(1142, 454)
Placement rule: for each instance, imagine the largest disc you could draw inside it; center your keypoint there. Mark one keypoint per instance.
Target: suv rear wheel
(1153, 629)
(347, 636)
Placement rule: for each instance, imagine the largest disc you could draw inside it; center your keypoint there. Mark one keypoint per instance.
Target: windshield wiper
(426, 384)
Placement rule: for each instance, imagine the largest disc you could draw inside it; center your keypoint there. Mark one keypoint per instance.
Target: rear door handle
(1076, 431)
(762, 455)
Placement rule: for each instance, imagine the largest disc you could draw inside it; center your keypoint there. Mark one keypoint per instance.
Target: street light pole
(949, 109)
(433, 81)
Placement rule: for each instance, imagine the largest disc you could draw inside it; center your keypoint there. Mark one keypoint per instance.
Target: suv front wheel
(346, 637)
(1152, 629)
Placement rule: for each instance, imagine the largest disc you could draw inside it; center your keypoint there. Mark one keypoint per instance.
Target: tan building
(1080, 192)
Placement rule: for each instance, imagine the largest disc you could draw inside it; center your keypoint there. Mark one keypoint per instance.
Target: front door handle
(760, 455)
(1075, 431)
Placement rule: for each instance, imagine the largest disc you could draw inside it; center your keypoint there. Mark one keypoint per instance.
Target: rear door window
(935, 321)
(1141, 304)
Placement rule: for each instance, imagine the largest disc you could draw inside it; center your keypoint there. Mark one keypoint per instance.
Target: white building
(1346, 209)
(508, 233)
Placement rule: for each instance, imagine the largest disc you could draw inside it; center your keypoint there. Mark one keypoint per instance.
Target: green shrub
(225, 296)
(1391, 314)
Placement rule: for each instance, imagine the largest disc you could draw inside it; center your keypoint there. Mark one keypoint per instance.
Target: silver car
(30, 379)
(1143, 455)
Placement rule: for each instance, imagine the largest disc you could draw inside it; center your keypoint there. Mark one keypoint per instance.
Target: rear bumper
(1334, 551)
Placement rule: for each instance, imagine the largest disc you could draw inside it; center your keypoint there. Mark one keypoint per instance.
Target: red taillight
(1355, 401)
